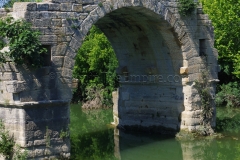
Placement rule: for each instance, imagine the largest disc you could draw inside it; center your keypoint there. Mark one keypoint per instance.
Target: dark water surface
(93, 138)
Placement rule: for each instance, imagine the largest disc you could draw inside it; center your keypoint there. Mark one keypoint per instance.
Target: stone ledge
(34, 104)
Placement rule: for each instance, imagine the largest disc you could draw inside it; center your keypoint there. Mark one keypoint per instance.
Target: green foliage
(229, 95)
(8, 148)
(186, 7)
(6, 142)
(10, 3)
(95, 67)
(203, 88)
(47, 137)
(64, 134)
(100, 4)
(225, 18)
(23, 43)
(2, 44)
(19, 154)
(228, 120)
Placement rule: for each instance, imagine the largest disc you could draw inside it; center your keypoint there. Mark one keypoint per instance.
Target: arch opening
(150, 94)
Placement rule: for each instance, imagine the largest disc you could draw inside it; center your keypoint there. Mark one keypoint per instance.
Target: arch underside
(149, 55)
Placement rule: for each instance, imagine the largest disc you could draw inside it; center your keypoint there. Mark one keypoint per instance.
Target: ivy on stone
(203, 87)
(186, 7)
(23, 42)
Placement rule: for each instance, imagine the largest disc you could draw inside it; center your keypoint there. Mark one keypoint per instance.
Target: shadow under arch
(149, 54)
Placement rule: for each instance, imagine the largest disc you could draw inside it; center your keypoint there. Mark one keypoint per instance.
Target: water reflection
(134, 146)
(92, 138)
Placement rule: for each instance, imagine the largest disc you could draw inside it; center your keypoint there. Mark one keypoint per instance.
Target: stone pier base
(40, 128)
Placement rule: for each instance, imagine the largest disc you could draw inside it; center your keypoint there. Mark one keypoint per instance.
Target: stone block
(67, 72)
(66, 7)
(194, 69)
(192, 54)
(57, 61)
(68, 62)
(42, 7)
(48, 39)
(89, 8)
(75, 44)
(194, 61)
(47, 15)
(69, 30)
(8, 67)
(56, 22)
(54, 7)
(42, 23)
(40, 142)
(38, 134)
(71, 53)
(94, 17)
(31, 126)
(23, 6)
(62, 39)
(202, 17)
(39, 152)
(78, 1)
(75, 83)
(184, 70)
(59, 50)
(65, 148)
(63, 1)
(195, 76)
(77, 7)
(84, 2)
(190, 114)
(56, 141)
(16, 86)
(8, 76)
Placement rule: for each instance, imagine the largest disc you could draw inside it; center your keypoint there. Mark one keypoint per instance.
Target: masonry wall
(152, 40)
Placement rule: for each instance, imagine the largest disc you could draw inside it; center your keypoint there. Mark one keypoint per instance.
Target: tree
(95, 67)
(225, 16)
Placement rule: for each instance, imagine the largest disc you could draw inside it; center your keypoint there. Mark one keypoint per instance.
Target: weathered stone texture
(159, 60)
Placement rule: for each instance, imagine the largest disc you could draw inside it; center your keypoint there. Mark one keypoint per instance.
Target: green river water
(93, 138)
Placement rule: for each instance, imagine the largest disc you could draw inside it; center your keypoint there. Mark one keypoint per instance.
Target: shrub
(8, 148)
(186, 7)
(23, 42)
(95, 68)
(6, 142)
(229, 95)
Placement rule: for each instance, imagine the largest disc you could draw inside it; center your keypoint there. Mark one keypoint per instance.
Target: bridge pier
(41, 128)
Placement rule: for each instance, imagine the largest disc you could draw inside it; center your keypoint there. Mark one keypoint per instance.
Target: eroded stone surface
(159, 59)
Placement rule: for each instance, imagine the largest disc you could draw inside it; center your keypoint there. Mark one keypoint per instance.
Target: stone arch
(41, 97)
(162, 8)
(183, 30)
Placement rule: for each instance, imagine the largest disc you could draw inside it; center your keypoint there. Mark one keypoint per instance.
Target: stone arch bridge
(160, 55)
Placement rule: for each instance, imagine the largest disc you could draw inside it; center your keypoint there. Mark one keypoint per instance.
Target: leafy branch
(23, 42)
(203, 87)
(186, 7)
